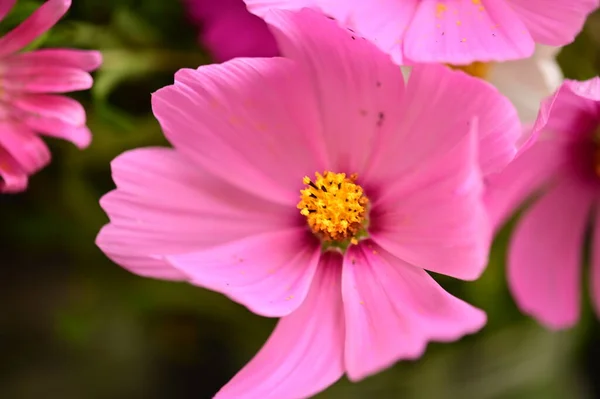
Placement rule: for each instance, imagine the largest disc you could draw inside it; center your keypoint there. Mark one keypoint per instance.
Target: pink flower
(545, 250)
(228, 30)
(453, 31)
(317, 188)
(29, 105)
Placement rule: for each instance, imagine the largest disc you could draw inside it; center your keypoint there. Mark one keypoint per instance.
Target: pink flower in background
(453, 31)
(228, 30)
(29, 105)
(318, 188)
(546, 248)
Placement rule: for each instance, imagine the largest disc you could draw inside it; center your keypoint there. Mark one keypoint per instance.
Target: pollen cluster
(334, 205)
(477, 69)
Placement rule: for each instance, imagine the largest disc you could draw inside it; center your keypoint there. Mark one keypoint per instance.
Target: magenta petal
(433, 218)
(241, 118)
(165, 205)
(86, 60)
(461, 32)
(45, 79)
(12, 177)
(37, 24)
(394, 309)
(304, 354)
(5, 7)
(24, 146)
(358, 87)
(545, 255)
(269, 273)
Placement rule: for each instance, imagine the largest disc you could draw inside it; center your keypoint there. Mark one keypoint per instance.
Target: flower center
(477, 69)
(335, 206)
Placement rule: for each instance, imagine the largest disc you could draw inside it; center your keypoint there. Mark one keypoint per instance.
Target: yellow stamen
(477, 69)
(334, 205)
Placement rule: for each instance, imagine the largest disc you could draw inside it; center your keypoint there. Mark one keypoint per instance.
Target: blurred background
(73, 325)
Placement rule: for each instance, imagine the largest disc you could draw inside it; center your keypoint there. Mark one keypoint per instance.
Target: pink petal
(357, 86)
(461, 32)
(507, 190)
(595, 260)
(5, 7)
(433, 217)
(37, 24)
(555, 23)
(454, 98)
(54, 115)
(45, 79)
(383, 22)
(572, 111)
(12, 178)
(86, 60)
(544, 259)
(24, 146)
(394, 309)
(269, 273)
(251, 122)
(304, 354)
(165, 205)
(52, 106)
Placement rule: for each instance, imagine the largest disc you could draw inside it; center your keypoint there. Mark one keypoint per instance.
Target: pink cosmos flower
(545, 250)
(453, 31)
(228, 30)
(317, 188)
(29, 105)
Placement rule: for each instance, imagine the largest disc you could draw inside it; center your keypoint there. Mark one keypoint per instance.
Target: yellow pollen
(334, 205)
(476, 69)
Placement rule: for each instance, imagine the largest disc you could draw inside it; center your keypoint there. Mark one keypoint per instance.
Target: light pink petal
(86, 60)
(165, 205)
(304, 354)
(5, 7)
(358, 87)
(506, 191)
(464, 31)
(434, 116)
(595, 260)
(24, 146)
(394, 309)
(252, 122)
(545, 255)
(55, 115)
(556, 22)
(572, 111)
(269, 273)
(45, 79)
(433, 218)
(37, 24)
(12, 178)
(262, 7)
(383, 22)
